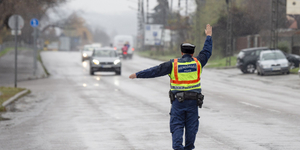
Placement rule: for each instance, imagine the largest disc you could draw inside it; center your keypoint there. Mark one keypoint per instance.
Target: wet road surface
(73, 110)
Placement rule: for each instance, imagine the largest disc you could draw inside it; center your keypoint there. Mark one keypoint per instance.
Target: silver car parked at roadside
(272, 61)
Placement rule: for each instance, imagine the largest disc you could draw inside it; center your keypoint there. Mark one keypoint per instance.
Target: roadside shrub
(284, 46)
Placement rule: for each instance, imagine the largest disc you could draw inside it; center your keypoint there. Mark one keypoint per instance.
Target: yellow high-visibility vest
(185, 76)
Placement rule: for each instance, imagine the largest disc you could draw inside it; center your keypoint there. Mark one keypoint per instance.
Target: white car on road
(87, 51)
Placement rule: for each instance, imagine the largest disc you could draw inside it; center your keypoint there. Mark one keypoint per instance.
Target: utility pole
(274, 25)
(162, 41)
(16, 49)
(171, 6)
(147, 14)
(186, 7)
(139, 24)
(198, 28)
(186, 19)
(178, 12)
(229, 33)
(171, 33)
(143, 24)
(178, 22)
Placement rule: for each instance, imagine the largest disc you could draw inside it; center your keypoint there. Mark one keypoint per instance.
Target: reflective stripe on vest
(185, 75)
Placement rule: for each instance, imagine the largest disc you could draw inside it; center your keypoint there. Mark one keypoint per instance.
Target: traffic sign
(16, 20)
(34, 22)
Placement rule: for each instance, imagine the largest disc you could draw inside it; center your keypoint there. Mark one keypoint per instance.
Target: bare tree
(28, 9)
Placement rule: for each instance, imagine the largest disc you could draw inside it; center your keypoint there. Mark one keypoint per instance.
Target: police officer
(185, 93)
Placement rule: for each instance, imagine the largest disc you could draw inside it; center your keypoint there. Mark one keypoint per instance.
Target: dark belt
(182, 96)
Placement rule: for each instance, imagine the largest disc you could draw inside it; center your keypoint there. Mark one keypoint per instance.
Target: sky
(113, 16)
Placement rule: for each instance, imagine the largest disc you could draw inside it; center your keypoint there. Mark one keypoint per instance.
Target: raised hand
(208, 30)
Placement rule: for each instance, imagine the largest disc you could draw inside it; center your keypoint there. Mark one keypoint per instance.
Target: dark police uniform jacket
(166, 67)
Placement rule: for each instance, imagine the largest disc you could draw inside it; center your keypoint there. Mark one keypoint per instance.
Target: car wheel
(244, 71)
(91, 71)
(258, 73)
(250, 68)
(288, 72)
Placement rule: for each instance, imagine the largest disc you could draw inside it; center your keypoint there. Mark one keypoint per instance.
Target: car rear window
(88, 49)
(105, 53)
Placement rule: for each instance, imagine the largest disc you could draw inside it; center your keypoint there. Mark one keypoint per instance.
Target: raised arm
(206, 52)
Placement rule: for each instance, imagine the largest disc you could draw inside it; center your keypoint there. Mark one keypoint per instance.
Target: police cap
(188, 48)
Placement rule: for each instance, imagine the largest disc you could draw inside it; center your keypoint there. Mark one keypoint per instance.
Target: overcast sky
(119, 16)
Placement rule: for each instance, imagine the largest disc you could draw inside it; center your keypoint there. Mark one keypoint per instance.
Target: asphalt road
(73, 110)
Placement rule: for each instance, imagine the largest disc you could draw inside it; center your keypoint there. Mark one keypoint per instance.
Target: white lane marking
(245, 103)
(274, 110)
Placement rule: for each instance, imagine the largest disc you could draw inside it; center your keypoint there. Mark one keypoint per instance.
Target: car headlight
(265, 66)
(96, 62)
(84, 55)
(117, 61)
(284, 64)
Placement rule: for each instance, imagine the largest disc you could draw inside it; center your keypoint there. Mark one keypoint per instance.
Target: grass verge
(9, 49)
(7, 93)
(41, 61)
(220, 63)
(5, 51)
(294, 71)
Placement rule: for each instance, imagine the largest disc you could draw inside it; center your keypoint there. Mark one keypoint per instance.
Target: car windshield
(105, 53)
(88, 49)
(272, 56)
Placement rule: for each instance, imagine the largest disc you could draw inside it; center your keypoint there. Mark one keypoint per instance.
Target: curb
(14, 98)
